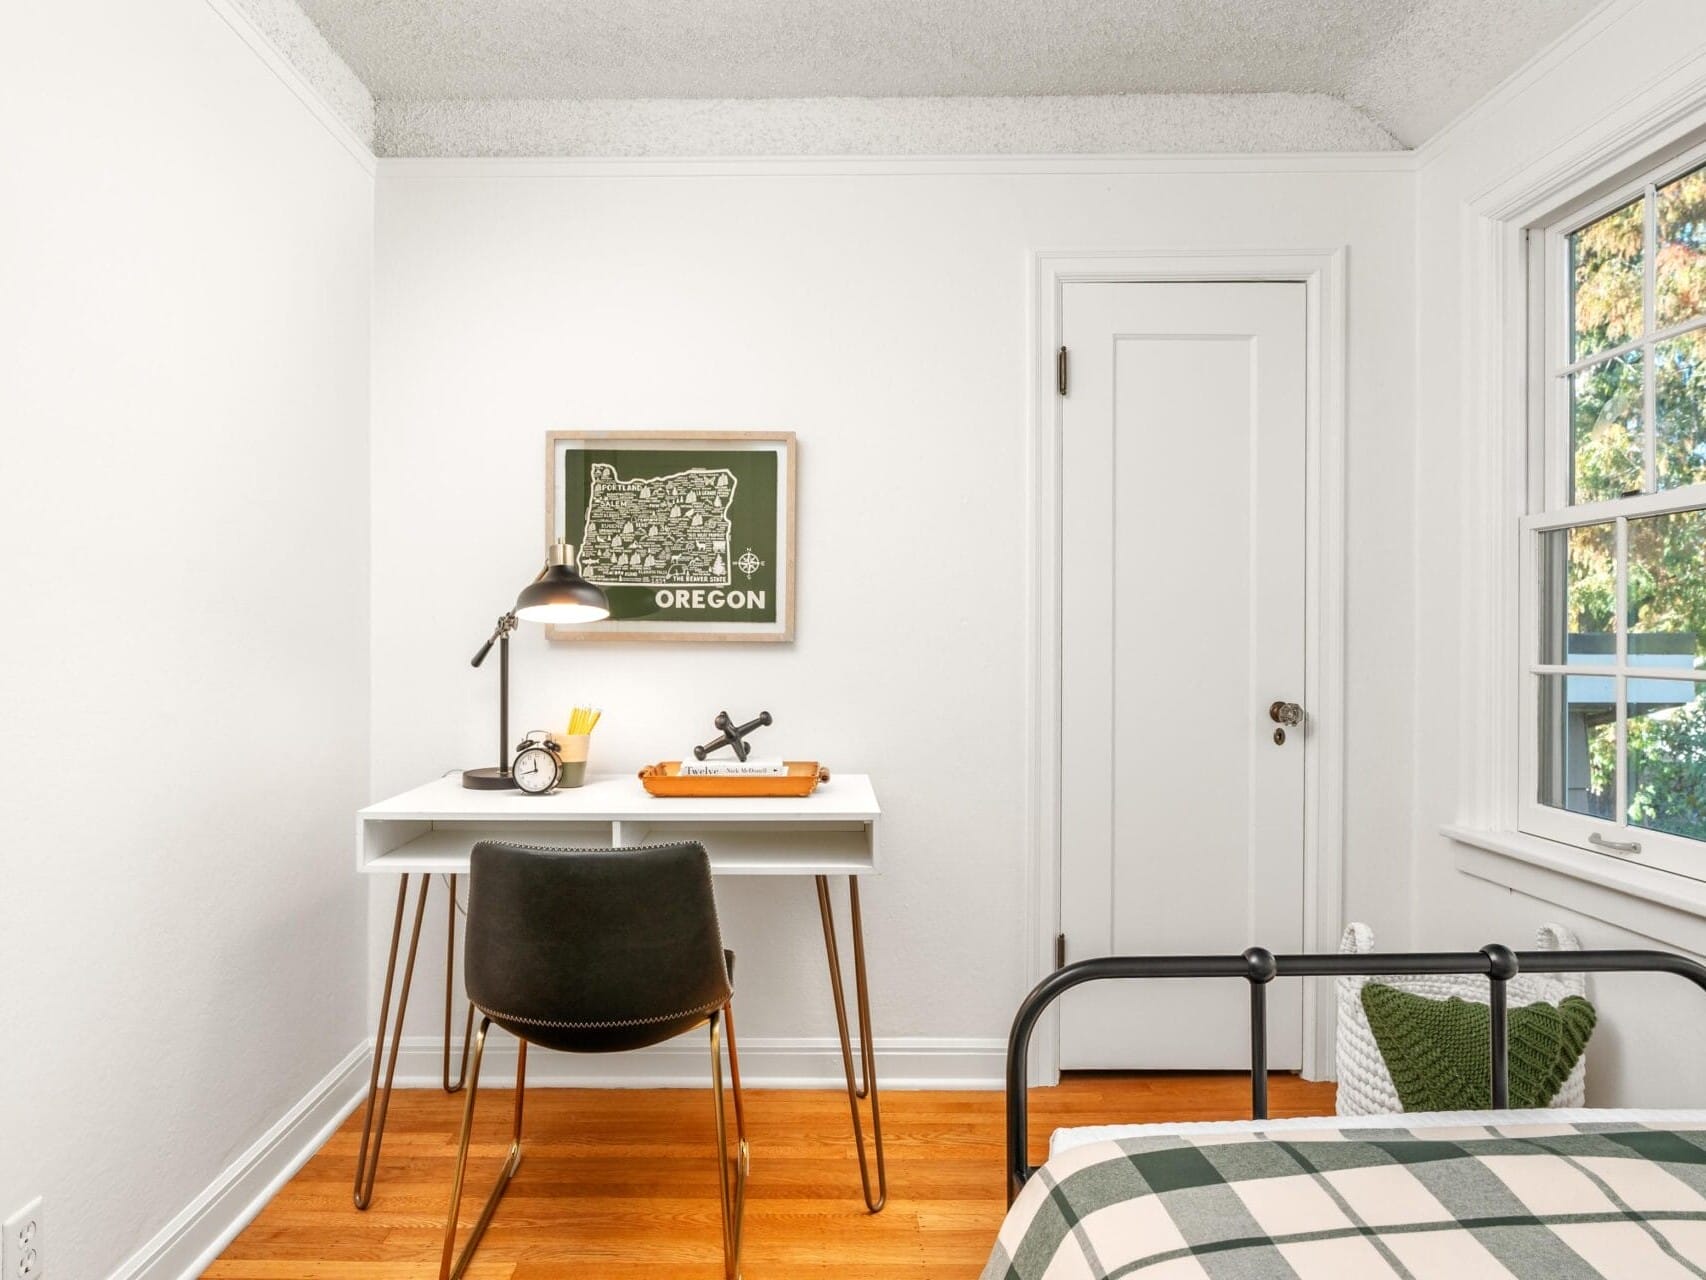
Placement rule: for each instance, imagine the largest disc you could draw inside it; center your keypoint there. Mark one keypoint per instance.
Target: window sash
(1551, 471)
(1659, 849)
(1664, 502)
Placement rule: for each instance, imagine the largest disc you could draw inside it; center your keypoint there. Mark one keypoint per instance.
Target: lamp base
(488, 779)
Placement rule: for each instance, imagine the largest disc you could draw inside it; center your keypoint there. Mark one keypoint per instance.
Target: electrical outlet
(21, 1246)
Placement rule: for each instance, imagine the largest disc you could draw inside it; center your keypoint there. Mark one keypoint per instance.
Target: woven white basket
(1365, 1085)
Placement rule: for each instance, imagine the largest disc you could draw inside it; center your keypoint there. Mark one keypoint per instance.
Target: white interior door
(1183, 620)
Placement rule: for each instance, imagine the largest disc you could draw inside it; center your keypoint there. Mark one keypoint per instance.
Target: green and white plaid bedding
(1533, 1201)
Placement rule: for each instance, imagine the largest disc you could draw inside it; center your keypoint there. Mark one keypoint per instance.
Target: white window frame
(1550, 462)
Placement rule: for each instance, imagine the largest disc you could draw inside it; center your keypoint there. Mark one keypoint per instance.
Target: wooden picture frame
(694, 542)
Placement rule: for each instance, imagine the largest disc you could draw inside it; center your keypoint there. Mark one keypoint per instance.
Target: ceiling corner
(293, 36)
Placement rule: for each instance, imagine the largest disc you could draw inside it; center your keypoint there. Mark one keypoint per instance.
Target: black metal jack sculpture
(733, 735)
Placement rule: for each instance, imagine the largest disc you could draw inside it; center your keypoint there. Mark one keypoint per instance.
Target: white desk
(432, 830)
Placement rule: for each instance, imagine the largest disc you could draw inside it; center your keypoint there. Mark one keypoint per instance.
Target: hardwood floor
(622, 1183)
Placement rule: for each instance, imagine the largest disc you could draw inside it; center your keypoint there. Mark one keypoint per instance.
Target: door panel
(1183, 619)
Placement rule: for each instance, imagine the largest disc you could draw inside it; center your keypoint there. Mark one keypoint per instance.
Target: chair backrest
(593, 938)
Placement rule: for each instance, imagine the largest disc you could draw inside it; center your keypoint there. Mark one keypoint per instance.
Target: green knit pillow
(1439, 1051)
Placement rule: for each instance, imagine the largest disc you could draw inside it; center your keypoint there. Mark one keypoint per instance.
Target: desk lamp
(559, 594)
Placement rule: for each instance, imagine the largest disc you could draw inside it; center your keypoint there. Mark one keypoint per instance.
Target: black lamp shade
(562, 596)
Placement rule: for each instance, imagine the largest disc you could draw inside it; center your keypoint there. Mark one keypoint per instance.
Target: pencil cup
(573, 770)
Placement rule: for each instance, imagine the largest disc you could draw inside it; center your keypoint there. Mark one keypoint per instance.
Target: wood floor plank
(619, 1184)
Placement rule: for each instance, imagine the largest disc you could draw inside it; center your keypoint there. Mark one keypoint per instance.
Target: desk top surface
(620, 798)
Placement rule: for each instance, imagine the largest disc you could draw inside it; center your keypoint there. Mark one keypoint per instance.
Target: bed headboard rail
(1258, 967)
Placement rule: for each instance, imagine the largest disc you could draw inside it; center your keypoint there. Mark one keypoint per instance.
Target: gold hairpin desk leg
(857, 1090)
(379, 1100)
(731, 1173)
(450, 999)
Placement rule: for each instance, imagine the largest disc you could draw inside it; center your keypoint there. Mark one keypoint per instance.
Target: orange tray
(664, 779)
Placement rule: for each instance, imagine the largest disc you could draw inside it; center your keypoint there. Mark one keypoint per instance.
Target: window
(1614, 555)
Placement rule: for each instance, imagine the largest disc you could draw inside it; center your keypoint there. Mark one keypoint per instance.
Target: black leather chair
(597, 951)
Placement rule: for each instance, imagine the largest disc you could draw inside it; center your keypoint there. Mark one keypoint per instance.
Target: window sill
(1656, 904)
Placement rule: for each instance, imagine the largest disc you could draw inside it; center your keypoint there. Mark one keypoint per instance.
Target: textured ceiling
(849, 48)
(1409, 65)
(1448, 54)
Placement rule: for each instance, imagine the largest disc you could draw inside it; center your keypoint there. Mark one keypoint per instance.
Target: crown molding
(756, 128)
(1513, 86)
(1659, 113)
(292, 77)
(478, 167)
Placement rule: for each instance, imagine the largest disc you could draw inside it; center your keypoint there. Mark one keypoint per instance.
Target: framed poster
(691, 534)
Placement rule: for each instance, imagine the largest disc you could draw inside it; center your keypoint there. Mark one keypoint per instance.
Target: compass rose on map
(749, 563)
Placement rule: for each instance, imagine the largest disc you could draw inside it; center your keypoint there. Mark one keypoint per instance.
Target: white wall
(1653, 1034)
(882, 317)
(185, 265)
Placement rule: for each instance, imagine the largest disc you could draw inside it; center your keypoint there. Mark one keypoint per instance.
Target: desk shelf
(433, 828)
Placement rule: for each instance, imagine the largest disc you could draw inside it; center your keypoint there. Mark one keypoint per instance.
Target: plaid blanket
(1538, 1202)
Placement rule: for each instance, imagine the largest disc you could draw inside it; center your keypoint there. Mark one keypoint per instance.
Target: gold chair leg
(452, 1265)
(731, 1181)
(379, 1100)
(867, 1048)
(449, 999)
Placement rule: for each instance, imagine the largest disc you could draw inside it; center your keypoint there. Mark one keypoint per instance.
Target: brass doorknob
(1286, 713)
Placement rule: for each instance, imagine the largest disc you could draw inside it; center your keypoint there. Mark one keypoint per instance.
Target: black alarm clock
(537, 764)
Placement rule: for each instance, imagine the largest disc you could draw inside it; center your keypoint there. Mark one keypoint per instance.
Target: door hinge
(1060, 951)
(1060, 362)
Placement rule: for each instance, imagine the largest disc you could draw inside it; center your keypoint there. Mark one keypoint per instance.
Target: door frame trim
(1322, 273)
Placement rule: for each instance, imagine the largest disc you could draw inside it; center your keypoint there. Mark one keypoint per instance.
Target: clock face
(536, 771)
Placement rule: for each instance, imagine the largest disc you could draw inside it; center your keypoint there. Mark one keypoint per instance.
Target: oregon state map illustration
(658, 531)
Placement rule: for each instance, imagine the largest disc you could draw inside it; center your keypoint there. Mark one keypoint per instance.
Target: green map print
(676, 535)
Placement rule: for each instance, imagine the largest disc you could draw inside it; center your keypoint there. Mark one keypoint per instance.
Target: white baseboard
(189, 1243)
(773, 1062)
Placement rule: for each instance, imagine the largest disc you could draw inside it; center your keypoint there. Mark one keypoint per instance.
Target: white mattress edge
(1067, 1139)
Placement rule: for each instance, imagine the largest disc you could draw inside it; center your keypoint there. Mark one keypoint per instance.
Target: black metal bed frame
(1258, 967)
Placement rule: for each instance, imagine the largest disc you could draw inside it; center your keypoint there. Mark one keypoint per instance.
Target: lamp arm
(506, 624)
